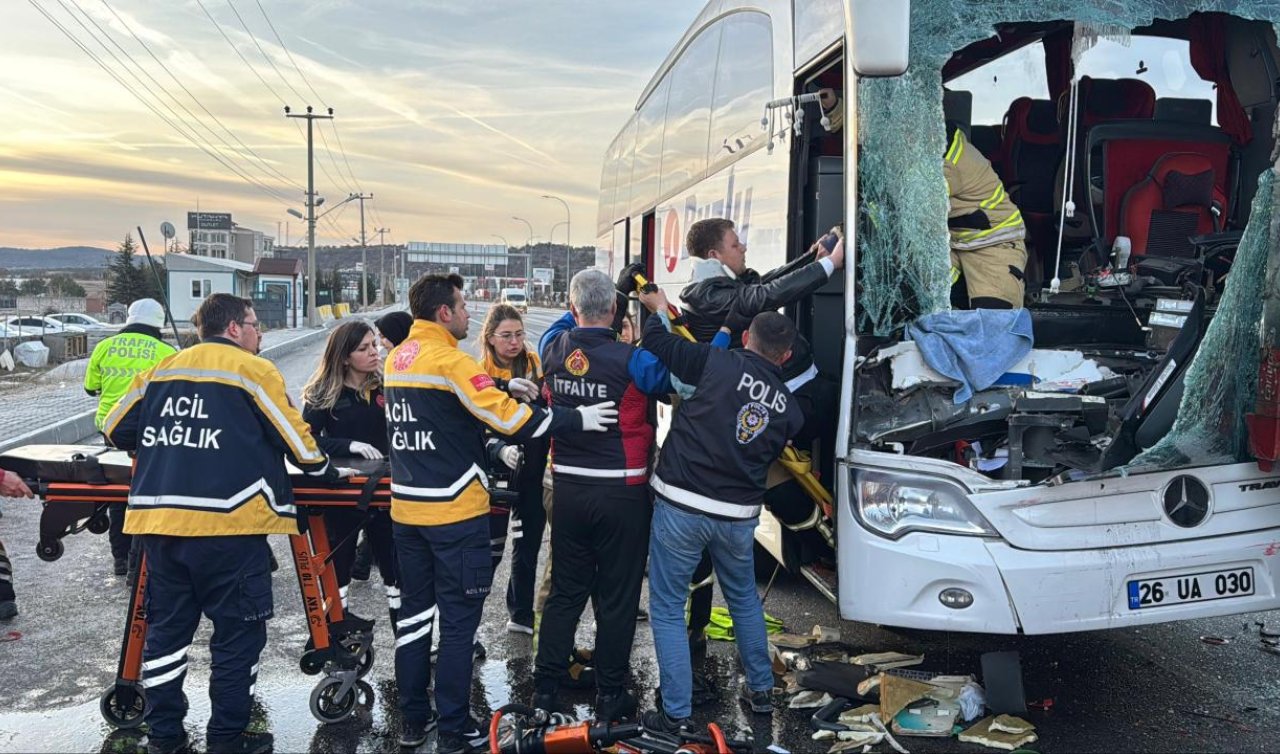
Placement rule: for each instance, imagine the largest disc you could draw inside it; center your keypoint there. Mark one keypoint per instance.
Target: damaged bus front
(1082, 463)
(1078, 463)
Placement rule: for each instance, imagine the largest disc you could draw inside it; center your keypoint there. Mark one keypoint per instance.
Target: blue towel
(973, 347)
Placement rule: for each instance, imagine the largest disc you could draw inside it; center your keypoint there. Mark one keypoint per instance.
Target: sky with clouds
(455, 115)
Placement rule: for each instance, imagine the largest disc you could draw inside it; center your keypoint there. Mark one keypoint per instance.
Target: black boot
(364, 560)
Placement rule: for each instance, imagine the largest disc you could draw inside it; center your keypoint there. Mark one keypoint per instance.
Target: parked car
(515, 297)
(85, 321)
(32, 325)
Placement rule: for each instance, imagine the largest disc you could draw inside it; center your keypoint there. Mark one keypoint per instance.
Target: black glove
(626, 283)
(739, 317)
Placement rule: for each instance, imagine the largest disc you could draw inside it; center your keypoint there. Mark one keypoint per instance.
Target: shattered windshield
(903, 248)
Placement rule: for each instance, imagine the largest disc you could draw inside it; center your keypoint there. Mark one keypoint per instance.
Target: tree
(8, 287)
(34, 287)
(125, 282)
(63, 284)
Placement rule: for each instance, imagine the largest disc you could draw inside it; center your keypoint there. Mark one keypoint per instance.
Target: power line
(265, 56)
(343, 150)
(194, 98)
(284, 47)
(146, 103)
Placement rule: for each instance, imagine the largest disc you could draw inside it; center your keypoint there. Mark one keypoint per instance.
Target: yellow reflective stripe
(955, 275)
(957, 148)
(996, 197)
(1010, 221)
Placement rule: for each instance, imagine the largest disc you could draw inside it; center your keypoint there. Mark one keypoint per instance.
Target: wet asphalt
(1153, 689)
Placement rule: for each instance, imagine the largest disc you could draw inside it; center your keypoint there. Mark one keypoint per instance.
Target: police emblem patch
(752, 419)
(405, 355)
(577, 363)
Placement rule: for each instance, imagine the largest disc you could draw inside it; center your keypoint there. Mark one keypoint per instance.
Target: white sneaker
(519, 628)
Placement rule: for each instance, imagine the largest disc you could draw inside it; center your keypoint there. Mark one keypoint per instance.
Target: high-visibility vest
(973, 185)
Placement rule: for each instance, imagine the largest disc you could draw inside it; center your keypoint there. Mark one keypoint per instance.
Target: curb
(75, 428)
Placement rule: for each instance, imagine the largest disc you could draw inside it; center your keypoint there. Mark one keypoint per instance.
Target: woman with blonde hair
(507, 356)
(343, 403)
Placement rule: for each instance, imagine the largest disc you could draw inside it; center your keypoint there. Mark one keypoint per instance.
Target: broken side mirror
(879, 36)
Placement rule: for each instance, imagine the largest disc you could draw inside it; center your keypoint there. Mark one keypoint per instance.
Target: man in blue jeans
(709, 488)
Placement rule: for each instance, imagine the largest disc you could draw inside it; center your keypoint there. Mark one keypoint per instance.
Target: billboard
(543, 275)
(208, 221)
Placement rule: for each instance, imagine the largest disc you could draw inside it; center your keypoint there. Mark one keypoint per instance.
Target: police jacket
(981, 214)
(212, 426)
(439, 400)
(716, 458)
(707, 300)
(586, 365)
(117, 360)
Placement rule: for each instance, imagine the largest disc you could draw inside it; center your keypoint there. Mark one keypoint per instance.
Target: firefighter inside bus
(988, 251)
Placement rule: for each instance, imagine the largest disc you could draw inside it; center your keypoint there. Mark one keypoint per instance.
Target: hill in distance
(63, 258)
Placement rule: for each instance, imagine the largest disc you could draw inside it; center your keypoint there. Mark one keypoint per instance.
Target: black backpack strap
(371, 485)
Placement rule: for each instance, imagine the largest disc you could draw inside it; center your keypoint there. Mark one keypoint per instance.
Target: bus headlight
(894, 504)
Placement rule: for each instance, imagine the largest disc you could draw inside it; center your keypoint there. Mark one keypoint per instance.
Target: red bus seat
(1178, 199)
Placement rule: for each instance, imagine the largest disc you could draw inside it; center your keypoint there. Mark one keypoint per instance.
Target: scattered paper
(810, 700)
(983, 735)
(1010, 724)
(886, 660)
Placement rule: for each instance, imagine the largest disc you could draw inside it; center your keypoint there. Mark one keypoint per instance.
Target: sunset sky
(454, 114)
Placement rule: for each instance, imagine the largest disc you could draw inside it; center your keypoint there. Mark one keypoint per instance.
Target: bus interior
(1173, 128)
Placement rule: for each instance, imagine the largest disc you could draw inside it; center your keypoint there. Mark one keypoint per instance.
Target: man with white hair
(600, 516)
(113, 365)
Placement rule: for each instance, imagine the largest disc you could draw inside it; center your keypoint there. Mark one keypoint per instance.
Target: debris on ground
(888, 660)
(1002, 679)
(1216, 641)
(857, 715)
(984, 733)
(809, 699)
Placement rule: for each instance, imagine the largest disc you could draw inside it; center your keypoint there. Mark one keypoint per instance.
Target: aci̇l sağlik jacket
(212, 426)
(439, 400)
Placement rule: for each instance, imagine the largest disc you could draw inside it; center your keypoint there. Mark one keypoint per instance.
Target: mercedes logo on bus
(1186, 501)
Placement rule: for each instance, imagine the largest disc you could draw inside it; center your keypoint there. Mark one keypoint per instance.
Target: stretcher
(76, 483)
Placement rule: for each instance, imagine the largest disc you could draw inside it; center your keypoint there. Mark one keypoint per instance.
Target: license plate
(1191, 587)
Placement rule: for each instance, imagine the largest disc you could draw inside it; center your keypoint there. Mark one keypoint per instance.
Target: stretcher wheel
(327, 706)
(311, 662)
(123, 716)
(362, 650)
(98, 523)
(49, 550)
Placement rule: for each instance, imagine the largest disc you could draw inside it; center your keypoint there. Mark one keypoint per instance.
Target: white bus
(1039, 505)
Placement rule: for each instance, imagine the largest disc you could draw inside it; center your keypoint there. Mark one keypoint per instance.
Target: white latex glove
(364, 450)
(598, 416)
(510, 455)
(522, 389)
(346, 473)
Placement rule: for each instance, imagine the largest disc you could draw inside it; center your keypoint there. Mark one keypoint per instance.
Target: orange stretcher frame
(338, 646)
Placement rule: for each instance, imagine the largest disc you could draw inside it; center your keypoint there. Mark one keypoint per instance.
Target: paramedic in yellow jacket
(211, 426)
(439, 402)
(987, 247)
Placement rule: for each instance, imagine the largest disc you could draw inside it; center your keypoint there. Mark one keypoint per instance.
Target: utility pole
(382, 259)
(568, 238)
(364, 258)
(529, 252)
(311, 210)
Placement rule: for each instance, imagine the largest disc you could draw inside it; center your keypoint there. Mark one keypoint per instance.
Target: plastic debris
(972, 701)
(927, 717)
(886, 660)
(32, 354)
(6, 361)
(824, 635)
(809, 699)
(1216, 641)
(857, 715)
(792, 641)
(879, 725)
(984, 734)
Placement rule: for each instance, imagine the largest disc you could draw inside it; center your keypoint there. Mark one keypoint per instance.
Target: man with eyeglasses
(211, 427)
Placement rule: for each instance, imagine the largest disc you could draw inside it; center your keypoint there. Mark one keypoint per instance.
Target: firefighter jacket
(717, 455)
(707, 300)
(439, 401)
(981, 213)
(212, 426)
(117, 360)
(587, 365)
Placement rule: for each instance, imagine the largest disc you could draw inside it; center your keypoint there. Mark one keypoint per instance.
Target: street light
(528, 257)
(568, 237)
(311, 217)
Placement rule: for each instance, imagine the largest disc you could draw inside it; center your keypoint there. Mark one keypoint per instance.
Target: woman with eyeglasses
(507, 356)
(343, 403)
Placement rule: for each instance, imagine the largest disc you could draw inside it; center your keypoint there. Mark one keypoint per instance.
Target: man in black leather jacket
(721, 277)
